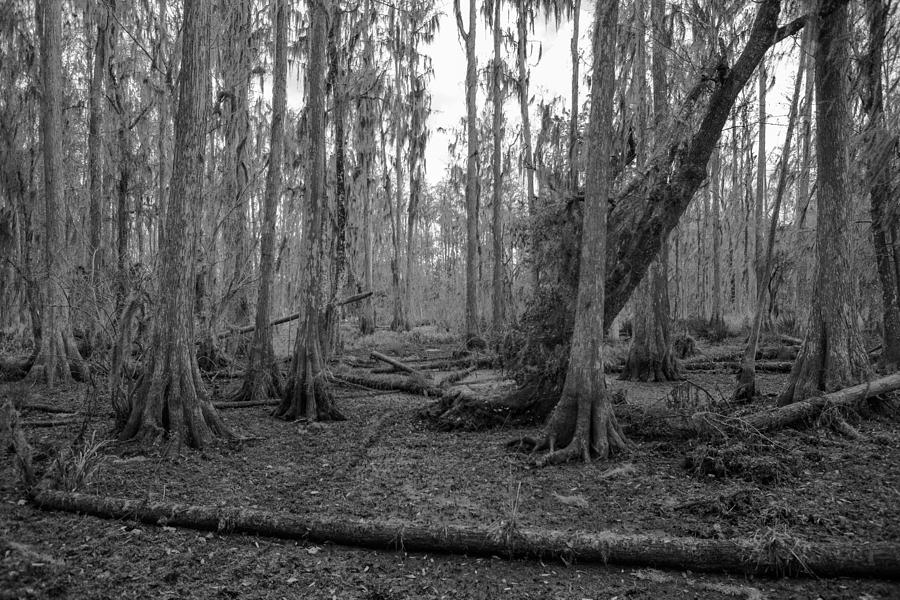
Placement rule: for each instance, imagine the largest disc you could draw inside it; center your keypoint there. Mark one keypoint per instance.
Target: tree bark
(880, 144)
(574, 109)
(832, 356)
(307, 393)
(525, 112)
(262, 379)
(583, 423)
(57, 357)
(170, 399)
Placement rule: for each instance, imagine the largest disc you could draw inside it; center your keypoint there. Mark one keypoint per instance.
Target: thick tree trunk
(308, 395)
(762, 179)
(170, 399)
(262, 379)
(95, 132)
(832, 356)
(57, 357)
(804, 207)
(787, 557)
(583, 423)
(236, 66)
(878, 168)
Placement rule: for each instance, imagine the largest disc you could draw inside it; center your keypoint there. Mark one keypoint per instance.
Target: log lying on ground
(767, 555)
(400, 366)
(47, 408)
(53, 422)
(410, 385)
(776, 418)
(227, 405)
(715, 365)
(481, 362)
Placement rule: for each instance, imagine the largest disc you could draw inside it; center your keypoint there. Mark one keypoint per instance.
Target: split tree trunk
(170, 399)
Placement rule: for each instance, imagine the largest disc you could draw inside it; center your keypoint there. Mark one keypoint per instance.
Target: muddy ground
(384, 462)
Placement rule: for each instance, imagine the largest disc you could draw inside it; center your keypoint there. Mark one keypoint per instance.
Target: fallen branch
(47, 408)
(291, 317)
(776, 418)
(774, 556)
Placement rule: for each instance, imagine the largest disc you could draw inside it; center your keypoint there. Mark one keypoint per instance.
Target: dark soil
(383, 462)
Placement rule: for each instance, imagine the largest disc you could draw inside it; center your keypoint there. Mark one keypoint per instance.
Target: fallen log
(401, 366)
(776, 418)
(766, 555)
(47, 408)
(249, 404)
(714, 365)
(481, 362)
(409, 385)
(53, 422)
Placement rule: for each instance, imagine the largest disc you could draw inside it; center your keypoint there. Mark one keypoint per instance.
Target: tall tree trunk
(95, 132)
(650, 355)
(163, 108)
(525, 111)
(880, 143)
(307, 394)
(746, 389)
(759, 208)
(170, 398)
(57, 357)
(365, 149)
(573, 116)
(236, 68)
(472, 328)
(262, 379)
(398, 318)
(499, 306)
(583, 423)
(802, 222)
(832, 356)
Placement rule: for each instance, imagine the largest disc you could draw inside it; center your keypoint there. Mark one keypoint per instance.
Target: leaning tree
(648, 206)
(170, 398)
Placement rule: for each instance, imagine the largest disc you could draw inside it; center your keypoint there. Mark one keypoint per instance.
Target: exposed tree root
(579, 428)
(58, 359)
(458, 410)
(651, 368)
(765, 555)
(259, 385)
(245, 404)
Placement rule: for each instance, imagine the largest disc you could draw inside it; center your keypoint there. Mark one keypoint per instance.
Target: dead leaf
(576, 500)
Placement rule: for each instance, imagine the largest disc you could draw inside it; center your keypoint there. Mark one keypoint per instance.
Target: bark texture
(832, 356)
(307, 394)
(170, 399)
(58, 358)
